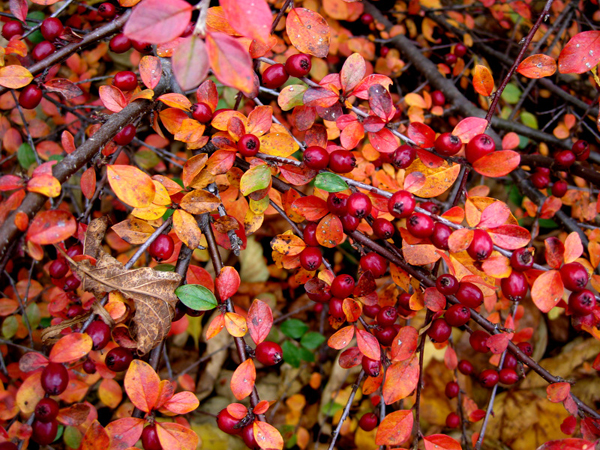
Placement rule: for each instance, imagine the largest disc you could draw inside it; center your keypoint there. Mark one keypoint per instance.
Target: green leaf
(529, 119)
(33, 315)
(25, 155)
(330, 182)
(312, 340)
(72, 437)
(511, 94)
(9, 327)
(294, 328)
(548, 223)
(196, 297)
(307, 355)
(58, 158)
(164, 267)
(36, 37)
(146, 159)
(255, 179)
(291, 354)
(329, 409)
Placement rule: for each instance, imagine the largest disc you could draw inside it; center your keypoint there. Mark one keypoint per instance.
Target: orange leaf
(252, 21)
(262, 407)
(186, 228)
(310, 207)
(125, 432)
(15, 77)
(308, 31)
(537, 66)
(260, 320)
(494, 215)
(510, 237)
(44, 184)
(499, 342)
(414, 181)
(434, 299)
(200, 202)
(88, 183)
(30, 393)
(150, 71)
(460, 240)
(51, 227)
(401, 379)
(242, 380)
(330, 232)
(405, 343)
(228, 282)
(112, 98)
(110, 393)
(483, 82)
(182, 403)
(288, 244)
(176, 437)
(455, 215)
(235, 324)
(179, 101)
(237, 410)
(260, 120)
(395, 429)
(558, 392)
(352, 309)
(267, 436)
(573, 247)
(497, 164)
(470, 127)
(368, 344)
(441, 442)
(215, 326)
(547, 290)
(131, 185)
(157, 21)
(71, 347)
(74, 415)
(95, 437)
(352, 72)
(142, 385)
(230, 62)
(581, 53)
(341, 338)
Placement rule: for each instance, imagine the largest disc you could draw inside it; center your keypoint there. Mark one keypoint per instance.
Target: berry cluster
(243, 428)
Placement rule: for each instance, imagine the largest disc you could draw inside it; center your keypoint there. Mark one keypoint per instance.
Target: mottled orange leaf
(215, 326)
(235, 324)
(341, 338)
(230, 62)
(483, 82)
(330, 232)
(131, 185)
(51, 227)
(547, 290)
(498, 163)
(14, 77)
(260, 320)
(368, 344)
(288, 244)
(175, 436)
(573, 247)
(71, 347)
(242, 380)
(401, 379)
(178, 101)
(395, 429)
(44, 184)
(537, 66)
(405, 343)
(558, 392)
(95, 437)
(142, 385)
(125, 432)
(110, 393)
(186, 228)
(441, 442)
(308, 31)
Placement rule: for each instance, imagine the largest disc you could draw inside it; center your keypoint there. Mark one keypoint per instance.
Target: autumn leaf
(142, 385)
(308, 31)
(581, 53)
(401, 379)
(547, 290)
(395, 428)
(537, 66)
(483, 82)
(71, 348)
(441, 442)
(175, 436)
(230, 62)
(242, 380)
(131, 185)
(15, 77)
(252, 21)
(157, 21)
(51, 227)
(288, 244)
(260, 321)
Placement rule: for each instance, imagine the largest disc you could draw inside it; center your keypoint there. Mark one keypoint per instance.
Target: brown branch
(336, 432)
(577, 169)
(418, 433)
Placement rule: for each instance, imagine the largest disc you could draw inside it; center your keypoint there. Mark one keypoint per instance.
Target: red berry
(248, 437)
(526, 348)
(478, 341)
(100, 334)
(384, 51)
(108, 11)
(371, 367)
(58, 269)
(368, 422)
(564, 159)
(126, 135)
(75, 250)
(465, 367)
(8, 445)
(385, 335)
(227, 423)
(336, 309)
(457, 315)
(12, 28)
(310, 235)
(469, 295)
(311, 258)
(481, 246)
(440, 236)
(341, 161)
(452, 389)
(71, 283)
(274, 76)
(193, 312)
(401, 204)
(359, 205)
(430, 207)
(540, 180)
(387, 316)
(30, 96)
(119, 43)
(478, 147)
(342, 286)
(316, 158)
(439, 331)
(180, 311)
(150, 439)
(298, 65)
(248, 145)
(447, 284)
(489, 378)
(42, 50)
(450, 59)
(452, 420)
(51, 28)
(438, 99)
(460, 50)
(420, 225)
(350, 223)
(44, 433)
(574, 276)
(508, 376)
(118, 359)
(142, 47)
(125, 80)
(582, 303)
(510, 361)
(337, 203)
(162, 248)
(559, 188)
(371, 310)
(89, 367)
(383, 228)
(403, 156)
(367, 19)
(521, 259)
(268, 353)
(374, 262)
(514, 287)
(55, 378)
(544, 170)
(74, 311)
(447, 144)
(46, 410)
(202, 112)
(580, 147)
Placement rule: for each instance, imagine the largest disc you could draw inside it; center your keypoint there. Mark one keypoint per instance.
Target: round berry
(248, 437)
(342, 286)
(44, 433)
(420, 225)
(310, 235)
(526, 348)
(12, 28)
(359, 205)
(193, 312)
(514, 287)
(430, 207)
(248, 145)
(126, 135)
(108, 11)
(452, 389)
(201, 112)
(75, 250)
(368, 422)
(342, 161)
(274, 76)
(150, 439)
(42, 50)
(387, 316)
(55, 378)
(337, 203)
(438, 99)
(450, 59)
(51, 28)
(383, 228)
(403, 156)
(316, 158)
(521, 259)
(478, 341)
(540, 180)
(371, 311)
(582, 303)
(180, 311)
(100, 334)
(559, 188)
(144, 48)
(8, 445)
(71, 283)
(574, 276)
(544, 170)
(118, 359)
(469, 294)
(447, 284)
(89, 367)
(30, 96)
(336, 309)
(58, 269)
(439, 331)
(298, 65)
(46, 410)
(119, 43)
(371, 367)
(460, 50)
(367, 19)
(579, 148)
(564, 159)
(489, 378)
(510, 361)
(481, 246)
(447, 144)
(465, 367)
(384, 51)
(457, 315)
(385, 335)
(452, 420)
(440, 236)
(478, 147)
(311, 258)
(125, 80)
(349, 223)
(227, 423)
(374, 262)
(508, 376)
(401, 204)
(74, 311)
(162, 247)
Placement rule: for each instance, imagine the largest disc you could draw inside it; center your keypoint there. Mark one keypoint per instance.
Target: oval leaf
(395, 429)
(547, 290)
(51, 227)
(196, 297)
(330, 182)
(260, 321)
(581, 53)
(132, 186)
(308, 31)
(242, 380)
(157, 21)
(71, 347)
(497, 164)
(483, 82)
(537, 66)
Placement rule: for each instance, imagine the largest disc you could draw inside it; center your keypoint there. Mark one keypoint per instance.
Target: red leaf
(227, 282)
(352, 73)
(151, 71)
(547, 290)
(260, 321)
(468, 128)
(157, 21)
(242, 380)
(405, 343)
(441, 442)
(88, 182)
(581, 53)
(384, 141)
(567, 444)
(320, 97)
(51, 227)
(494, 215)
(362, 90)
(237, 410)
(142, 385)
(401, 379)
(498, 342)
(330, 232)
(19, 8)
(65, 87)
(71, 347)
(312, 208)
(308, 31)
(262, 407)
(421, 134)
(558, 392)
(32, 361)
(11, 182)
(252, 21)
(341, 338)
(351, 357)
(395, 429)
(483, 82)
(125, 432)
(190, 62)
(267, 436)
(497, 164)
(95, 437)
(230, 62)
(368, 344)
(537, 66)
(510, 237)
(112, 98)
(381, 103)
(434, 300)
(554, 252)
(175, 436)
(573, 247)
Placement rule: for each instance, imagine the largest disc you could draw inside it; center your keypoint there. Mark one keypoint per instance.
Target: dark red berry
(126, 135)
(489, 378)
(440, 236)
(201, 112)
(274, 76)
(368, 422)
(248, 145)
(74, 311)
(384, 51)
(439, 331)
(71, 283)
(42, 50)
(580, 147)
(401, 204)
(510, 361)
(460, 50)
(371, 367)
(447, 284)
(514, 287)
(108, 11)
(100, 334)
(119, 43)
(55, 378)
(481, 246)
(387, 316)
(359, 205)
(450, 59)
(383, 228)
(46, 410)
(180, 311)
(75, 250)
(367, 19)
(385, 335)
(8, 445)
(125, 80)
(521, 259)
(420, 225)
(564, 159)
(51, 28)
(58, 269)
(544, 170)
(337, 203)
(457, 315)
(89, 367)
(12, 28)
(341, 161)
(574, 276)
(559, 188)
(193, 312)
(465, 367)
(342, 286)
(371, 310)
(447, 144)
(336, 308)
(227, 423)
(316, 158)
(268, 353)
(404, 300)
(430, 207)
(310, 235)
(30, 96)
(403, 156)
(374, 262)
(452, 389)
(350, 223)
(44, 433)
(478, 341)
(118, 359)
(452, 420)
(298, 65)
(526, 348)
(144, 48)
(540, 180)
(438, 99)
(150, 439)
(248, 437)
(582, 303)
(508, 376)
(162, 248)
(311, 258)
(478, 147)
(469, 295)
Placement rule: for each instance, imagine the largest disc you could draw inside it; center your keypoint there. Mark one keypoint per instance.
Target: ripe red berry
(274, 76)
(42, 50)
(469, 295)
(478, 341)
(564, 159)
(460, 50)
(371, 310)
(337, 203)
(311, 258)
(452, 389)
(383, 228)
(457, 315)
(447, 144)
(30, 96)
(580, 147)
(420, 225)
(44, 433)
(321, 296)
(227, 423)
(374, 262)
(298, 65)
(510, 361)
(359, 205)
(75, 250)
(478, 147)
(349, 223)
(452, 420)
(201, 112)
(310, 235)
(74, 311)
(100, 334)
(371, 367)
(521, 259)
(440, 236)
(368, 422)
(46, 410)
(108, 11)
(439, 331)
(447, 284)
(514, 287)
(385, 335)
(55, 378)
(544, 170)
(58, 269)
(384, 51)
(508, 376)
(341, 161)
(8, 445)
(574, 276)
(430, 207)
(316, 158)
(489, 378)
(367, 19)
(144, 48)
(89, 367)
(268, 353)
(526, 348)
(162, 248)
(248, 437)
(481, 246)
(387, 316)
(465, 367)
(401, 204)
(71, 283)
(125, 80)
(12, 28)
(582, 303)
(450, 59)
(118, 359)
(248, 145)
(193, 312)
(438, 99)
(119, 43)
(540, 180)
(150, 439)
(336, 309)
(342, 286)
(559, 188)
(51, 28)
(403, 156)
(126, 135)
